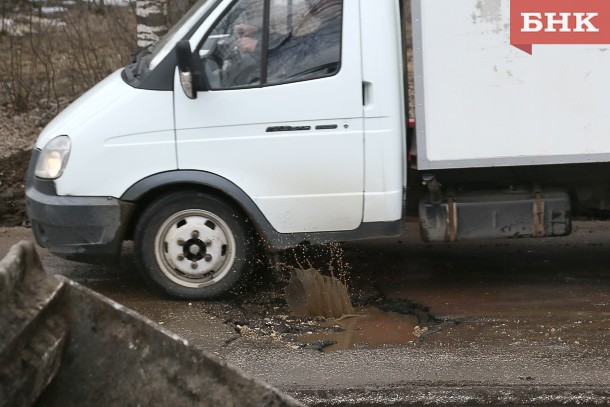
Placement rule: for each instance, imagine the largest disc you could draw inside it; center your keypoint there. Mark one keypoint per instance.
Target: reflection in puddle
(371, 327)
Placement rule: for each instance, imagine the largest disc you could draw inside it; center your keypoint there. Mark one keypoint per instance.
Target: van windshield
(160, 50)
(149, 58)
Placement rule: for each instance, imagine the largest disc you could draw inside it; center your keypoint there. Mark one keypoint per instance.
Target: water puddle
(371, 327)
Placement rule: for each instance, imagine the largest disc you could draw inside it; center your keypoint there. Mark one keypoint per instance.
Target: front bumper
(84, 229)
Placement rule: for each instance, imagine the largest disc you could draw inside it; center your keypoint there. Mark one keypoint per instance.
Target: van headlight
(53, 158)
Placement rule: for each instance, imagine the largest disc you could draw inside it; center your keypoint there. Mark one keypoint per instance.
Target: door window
(290, 40)
(225, 65)
(304, 40)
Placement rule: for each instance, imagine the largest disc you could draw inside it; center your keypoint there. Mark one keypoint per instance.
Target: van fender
(210, 181)
(274, 240)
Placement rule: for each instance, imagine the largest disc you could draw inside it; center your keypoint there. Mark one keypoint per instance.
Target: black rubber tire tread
(160, 210)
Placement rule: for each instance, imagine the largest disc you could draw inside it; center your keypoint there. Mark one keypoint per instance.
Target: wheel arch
(147, 190)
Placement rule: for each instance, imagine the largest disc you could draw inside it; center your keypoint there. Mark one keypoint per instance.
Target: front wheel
(192, 245)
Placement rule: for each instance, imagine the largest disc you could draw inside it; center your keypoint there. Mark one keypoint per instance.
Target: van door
(283, 116)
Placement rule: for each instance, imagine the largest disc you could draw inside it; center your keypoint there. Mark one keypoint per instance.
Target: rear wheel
(192, 245)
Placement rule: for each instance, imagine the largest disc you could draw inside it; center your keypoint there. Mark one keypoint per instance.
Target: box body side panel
(481, 102)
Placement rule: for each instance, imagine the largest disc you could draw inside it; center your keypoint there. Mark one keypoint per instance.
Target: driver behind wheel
(300, 53)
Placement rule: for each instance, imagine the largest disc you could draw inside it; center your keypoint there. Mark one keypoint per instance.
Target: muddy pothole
(377, 321)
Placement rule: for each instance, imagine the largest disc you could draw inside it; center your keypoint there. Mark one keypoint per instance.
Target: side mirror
(186, 68)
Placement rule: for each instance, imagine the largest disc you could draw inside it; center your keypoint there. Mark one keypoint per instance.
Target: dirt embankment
(12, 179)
(18, 132)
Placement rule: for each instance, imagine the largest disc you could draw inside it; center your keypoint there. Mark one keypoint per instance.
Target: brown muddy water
(368, 327)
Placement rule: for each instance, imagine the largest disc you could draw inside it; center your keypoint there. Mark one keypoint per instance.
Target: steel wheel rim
(195, 248)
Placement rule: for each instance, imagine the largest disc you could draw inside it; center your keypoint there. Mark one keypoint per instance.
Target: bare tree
(151, 19)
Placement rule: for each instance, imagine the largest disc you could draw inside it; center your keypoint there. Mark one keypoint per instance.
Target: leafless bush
(14, 76)
(97, 44)
(46, 62)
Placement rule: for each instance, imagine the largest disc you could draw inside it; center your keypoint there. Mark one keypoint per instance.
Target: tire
(192, 245)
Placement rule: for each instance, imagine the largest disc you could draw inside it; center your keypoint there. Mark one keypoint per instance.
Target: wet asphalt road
(530, 323)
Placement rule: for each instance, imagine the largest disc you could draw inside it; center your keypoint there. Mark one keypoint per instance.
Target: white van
(284, 121)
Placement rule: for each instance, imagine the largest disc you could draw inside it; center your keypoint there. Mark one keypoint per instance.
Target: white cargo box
(481, 102)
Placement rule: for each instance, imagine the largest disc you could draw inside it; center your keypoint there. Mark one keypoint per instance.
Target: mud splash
(309, 294)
